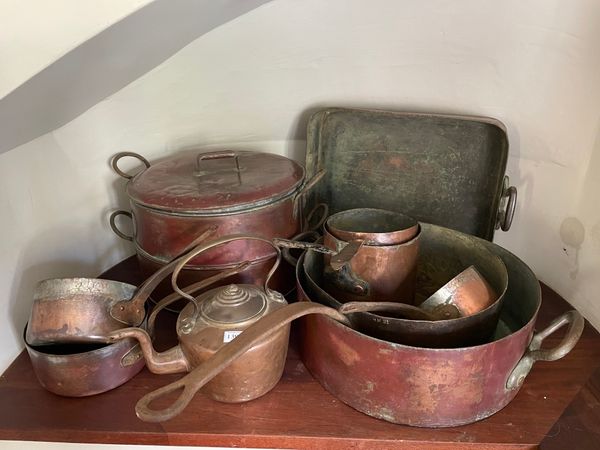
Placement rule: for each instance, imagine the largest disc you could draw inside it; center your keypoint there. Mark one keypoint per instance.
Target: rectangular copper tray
(441, 169)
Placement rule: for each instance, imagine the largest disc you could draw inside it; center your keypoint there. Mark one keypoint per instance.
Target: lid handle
(115, 159)
(218, 155)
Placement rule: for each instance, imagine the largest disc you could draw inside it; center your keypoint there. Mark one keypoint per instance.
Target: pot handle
(300, 196)
(115, 159)
(534, 353)
(195, 380)
(508, 206)
(113, 224)
(131, 312)
(304, 236)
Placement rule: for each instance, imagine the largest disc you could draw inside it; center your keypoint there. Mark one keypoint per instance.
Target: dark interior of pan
(440, 169)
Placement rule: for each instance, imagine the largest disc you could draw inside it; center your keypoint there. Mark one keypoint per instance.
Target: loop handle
(535, 353)
(113, 223)
(115, 159)
(508, 205)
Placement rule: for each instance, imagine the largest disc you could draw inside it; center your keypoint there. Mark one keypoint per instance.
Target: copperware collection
(409, 313)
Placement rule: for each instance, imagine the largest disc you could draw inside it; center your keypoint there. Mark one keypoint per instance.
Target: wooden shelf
(557, 407)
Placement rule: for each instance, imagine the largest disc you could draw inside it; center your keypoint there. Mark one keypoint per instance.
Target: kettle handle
(197, 378)
(214, 243)
(171, 298)
(131, 311)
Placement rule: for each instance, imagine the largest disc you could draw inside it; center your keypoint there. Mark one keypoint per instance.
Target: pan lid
(222, 181)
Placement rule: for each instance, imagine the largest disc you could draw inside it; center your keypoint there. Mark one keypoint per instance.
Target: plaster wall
(253, 82)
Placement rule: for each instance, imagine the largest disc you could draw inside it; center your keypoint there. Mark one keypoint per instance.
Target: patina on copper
(440, 258)
(434, 387)
(375, 272)
(443, 169)
(246, 192)
(86, 309)
(212, 320)
(79, 370)
(373, 226)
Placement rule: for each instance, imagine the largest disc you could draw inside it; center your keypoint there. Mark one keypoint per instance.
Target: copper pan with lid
(239, 192)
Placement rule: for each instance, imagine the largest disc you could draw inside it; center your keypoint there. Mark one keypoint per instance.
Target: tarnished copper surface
(443, 253)
(374, 226)
(464, 295)
(87, 309)
(212, 320)
(252, 193)
(441, 169)
(77, 370)
(377, 272)
(422, 386)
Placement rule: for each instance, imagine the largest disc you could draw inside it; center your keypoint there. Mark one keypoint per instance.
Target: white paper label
(229, 336)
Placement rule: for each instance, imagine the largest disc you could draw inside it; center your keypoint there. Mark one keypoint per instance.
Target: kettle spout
(169, 361)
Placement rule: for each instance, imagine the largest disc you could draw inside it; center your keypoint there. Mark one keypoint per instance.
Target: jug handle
(131, 312)
(205, 372)
(535, 353)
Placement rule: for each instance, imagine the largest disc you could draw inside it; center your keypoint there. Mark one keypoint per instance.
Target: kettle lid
(234, 303)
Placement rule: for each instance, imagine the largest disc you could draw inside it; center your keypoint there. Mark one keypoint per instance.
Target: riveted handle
(115, 228)
(535, 353)
(254, 334)
(508, 205)
(115, 159)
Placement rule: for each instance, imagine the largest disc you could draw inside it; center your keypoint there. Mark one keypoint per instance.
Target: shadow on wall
(108, 62)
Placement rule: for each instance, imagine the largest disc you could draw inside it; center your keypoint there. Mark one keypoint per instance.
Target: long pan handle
(204, 373)
(131, 312)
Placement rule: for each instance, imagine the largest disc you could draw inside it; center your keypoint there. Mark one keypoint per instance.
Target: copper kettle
(213, 319)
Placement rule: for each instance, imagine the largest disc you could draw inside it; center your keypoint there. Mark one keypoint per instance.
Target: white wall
(34, 33)
(252, 82)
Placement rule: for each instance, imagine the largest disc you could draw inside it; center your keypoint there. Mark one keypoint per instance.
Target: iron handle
(298, 204)
(118, 156)
(535, 353)
(304, 236)
(113, 224)
(508, 206)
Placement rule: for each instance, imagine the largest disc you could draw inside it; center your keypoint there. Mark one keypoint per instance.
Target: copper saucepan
(87, 309)
(384, 268)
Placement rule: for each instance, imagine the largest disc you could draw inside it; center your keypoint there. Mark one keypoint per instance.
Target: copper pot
(436, 387)
(376, 272)
(243, 192)
(79, 370)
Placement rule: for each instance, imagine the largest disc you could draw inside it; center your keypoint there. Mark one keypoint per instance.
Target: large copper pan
(435, 387)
